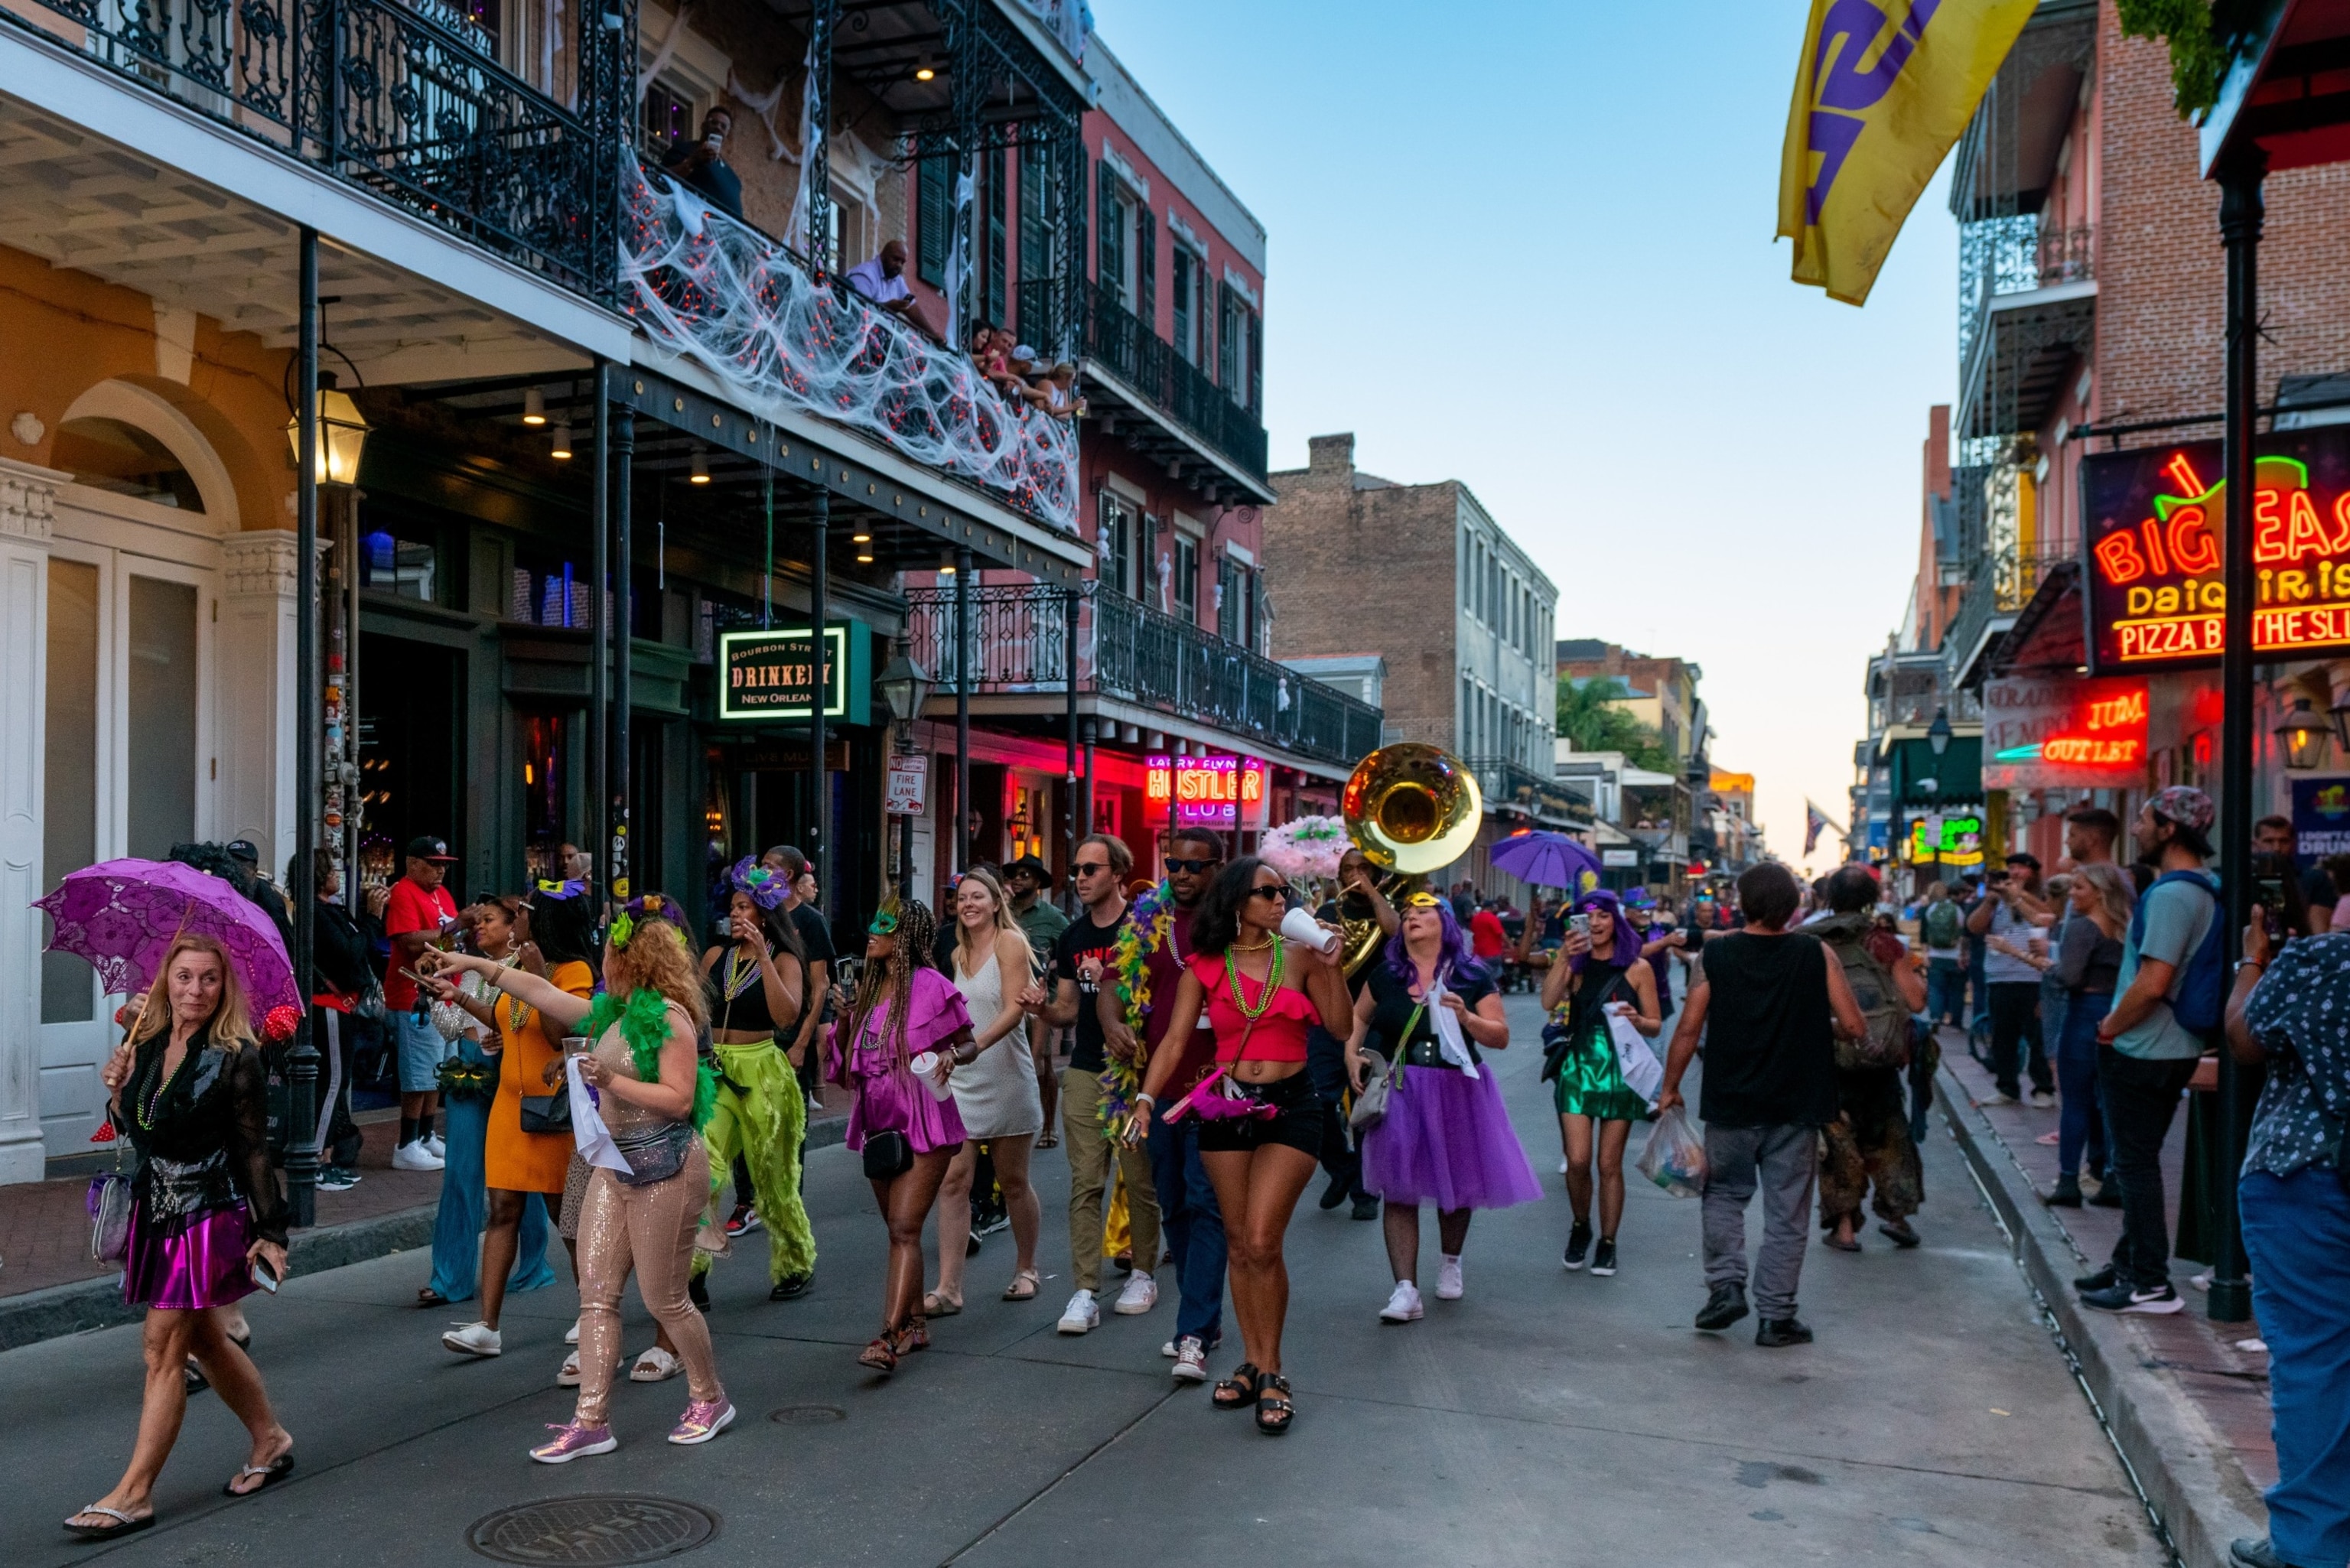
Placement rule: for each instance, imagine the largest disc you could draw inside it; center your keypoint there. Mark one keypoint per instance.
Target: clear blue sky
(1528, 244)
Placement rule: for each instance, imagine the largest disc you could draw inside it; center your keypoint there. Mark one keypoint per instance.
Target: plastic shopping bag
(588, 1129)
(1636, 1060)
(1674, 1157)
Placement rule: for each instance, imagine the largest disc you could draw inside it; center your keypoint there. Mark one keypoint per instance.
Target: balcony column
(1069, 606)
(302, 1061)
(815, 158)
(597, 831)
(2241, 211)
(624, 462)
(819, 841)
(962, 709)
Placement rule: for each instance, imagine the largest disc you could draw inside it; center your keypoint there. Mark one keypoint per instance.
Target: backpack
(2200, 989)
(1887, 1041)
(1944, 925)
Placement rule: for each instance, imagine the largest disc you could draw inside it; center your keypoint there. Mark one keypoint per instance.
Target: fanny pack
(1217, 1097)
(655, 1154)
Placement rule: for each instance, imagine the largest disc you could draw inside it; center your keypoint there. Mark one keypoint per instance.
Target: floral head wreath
(767, 888)
(559, 890)
(653, 907)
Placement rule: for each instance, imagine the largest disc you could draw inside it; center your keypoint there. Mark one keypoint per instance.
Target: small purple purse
(1213, 1101)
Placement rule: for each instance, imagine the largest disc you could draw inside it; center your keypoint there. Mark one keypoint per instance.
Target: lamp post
(1938, 733)
(2302, 736)
(905, 687)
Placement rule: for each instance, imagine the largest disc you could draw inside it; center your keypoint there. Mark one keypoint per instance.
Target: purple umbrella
(122, 915)
(1548, 860)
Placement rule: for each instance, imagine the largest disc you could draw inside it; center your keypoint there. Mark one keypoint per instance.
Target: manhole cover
(593, 1530)
(809, 1415)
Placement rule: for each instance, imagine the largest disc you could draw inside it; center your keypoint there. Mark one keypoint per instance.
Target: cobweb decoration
(1305, 848)
(727, 296)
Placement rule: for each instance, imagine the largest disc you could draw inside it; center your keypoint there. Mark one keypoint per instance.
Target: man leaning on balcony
(881, 280)
(702, 164)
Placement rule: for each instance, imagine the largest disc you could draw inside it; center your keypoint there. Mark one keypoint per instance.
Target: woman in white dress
(995, 1093)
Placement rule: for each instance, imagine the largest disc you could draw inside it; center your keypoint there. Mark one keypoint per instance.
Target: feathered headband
(767, 888)
(652, 906)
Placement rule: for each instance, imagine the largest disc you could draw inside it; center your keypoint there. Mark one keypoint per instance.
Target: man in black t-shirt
(1777, 1003)
(702, 164)
(1081, 958)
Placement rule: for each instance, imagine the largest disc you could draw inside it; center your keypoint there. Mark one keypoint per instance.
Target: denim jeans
(2014, 1023)
(2297, 1234)
(1946, 992)
(2141, 1097)
(2081, 1128)
(1194, 1228)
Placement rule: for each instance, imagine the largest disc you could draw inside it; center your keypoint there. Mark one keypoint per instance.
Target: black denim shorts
(1296, 1124)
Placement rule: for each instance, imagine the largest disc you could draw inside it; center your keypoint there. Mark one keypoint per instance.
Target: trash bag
(1674, 1156)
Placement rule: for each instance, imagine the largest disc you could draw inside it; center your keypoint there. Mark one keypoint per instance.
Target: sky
(1528, 244)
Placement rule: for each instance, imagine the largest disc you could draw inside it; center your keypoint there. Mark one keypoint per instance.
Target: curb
(86, 1304)
(2189, 1479)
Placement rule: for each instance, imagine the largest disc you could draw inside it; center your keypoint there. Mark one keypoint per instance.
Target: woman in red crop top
(1260, 1126)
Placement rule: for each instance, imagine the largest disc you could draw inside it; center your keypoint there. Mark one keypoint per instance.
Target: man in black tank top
(1775, 1004)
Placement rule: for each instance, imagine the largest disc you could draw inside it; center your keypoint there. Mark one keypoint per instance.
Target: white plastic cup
(1300, 926)
(925, 1069)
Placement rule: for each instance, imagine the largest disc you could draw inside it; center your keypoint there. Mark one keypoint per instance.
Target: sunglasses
(1278, 893)
(885, 924)
(1092, 867)
(1193, 866)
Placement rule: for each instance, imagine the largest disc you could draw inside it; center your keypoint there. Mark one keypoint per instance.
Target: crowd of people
(1220, 1055)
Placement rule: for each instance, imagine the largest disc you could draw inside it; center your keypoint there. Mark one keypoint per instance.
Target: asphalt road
(1548, 1417)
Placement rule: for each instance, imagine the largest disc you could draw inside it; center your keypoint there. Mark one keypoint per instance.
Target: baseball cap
(243, 849)
(2181, 804)
(427, 848)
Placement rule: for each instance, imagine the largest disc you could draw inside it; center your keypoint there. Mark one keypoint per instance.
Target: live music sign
(2158, 598)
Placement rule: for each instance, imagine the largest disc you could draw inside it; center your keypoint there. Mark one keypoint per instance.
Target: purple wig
(1627, 941)
(1452, 955)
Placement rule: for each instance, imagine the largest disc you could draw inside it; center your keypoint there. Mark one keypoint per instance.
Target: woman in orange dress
(552, 935)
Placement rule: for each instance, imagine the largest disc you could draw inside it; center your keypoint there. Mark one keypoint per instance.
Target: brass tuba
(1411, 808)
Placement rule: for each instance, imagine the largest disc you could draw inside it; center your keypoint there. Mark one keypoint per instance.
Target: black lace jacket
(204, 1143)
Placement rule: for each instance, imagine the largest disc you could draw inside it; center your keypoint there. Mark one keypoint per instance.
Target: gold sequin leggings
(654, 1226)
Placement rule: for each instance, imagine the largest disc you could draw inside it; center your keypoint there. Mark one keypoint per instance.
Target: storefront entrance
(412, 728)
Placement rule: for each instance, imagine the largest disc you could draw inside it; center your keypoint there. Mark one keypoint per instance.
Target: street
(1548, 1417)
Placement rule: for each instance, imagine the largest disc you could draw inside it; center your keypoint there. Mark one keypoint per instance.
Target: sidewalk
(49, 1286)
(2188, 1410)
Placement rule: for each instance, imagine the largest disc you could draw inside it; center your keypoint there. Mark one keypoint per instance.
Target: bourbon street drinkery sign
(2156, 516)
(770, 675)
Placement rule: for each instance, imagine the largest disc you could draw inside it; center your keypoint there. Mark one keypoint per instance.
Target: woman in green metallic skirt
(1598, 969)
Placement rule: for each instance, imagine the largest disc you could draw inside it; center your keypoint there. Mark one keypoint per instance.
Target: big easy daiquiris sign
(2156, 515)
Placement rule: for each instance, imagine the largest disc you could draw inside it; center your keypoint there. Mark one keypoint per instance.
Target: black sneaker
(1367, 1207)
(743, 1221)
(1725, 1306)
(1578, 1244)
(2246, 1553)
(2158, 1300)
(2107, 1196)
(791, 1287)
(1775, 1333)
(2066, 1194)
(336, 1179)
(1335, 1193)
(697, 1290)
(1603, 1257)
(2103, 1280)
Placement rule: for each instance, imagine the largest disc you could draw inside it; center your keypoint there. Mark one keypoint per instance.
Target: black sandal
(1237, 1392)
(1274, 1415)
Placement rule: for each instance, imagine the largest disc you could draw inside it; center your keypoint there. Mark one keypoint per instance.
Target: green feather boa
(644, 1025)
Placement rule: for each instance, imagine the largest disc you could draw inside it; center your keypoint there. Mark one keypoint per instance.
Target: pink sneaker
(575, 1441)
(703, 1419)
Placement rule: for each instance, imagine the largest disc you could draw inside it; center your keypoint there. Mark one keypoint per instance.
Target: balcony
(748, 310)
(1512, 788)
(2001, 584)
(1143, 369)
(403, 101)
(1130, 653)
(2027, 306)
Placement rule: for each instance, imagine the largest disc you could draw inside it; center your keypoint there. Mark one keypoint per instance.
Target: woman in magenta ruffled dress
(907, 1022)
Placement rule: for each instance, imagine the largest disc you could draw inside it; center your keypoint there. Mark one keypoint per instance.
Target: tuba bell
(1412, 809)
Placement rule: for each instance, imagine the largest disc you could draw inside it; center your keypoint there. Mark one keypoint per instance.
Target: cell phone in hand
(264, 1276)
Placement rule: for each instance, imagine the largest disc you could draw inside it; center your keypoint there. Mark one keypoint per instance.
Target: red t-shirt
(411, 910)
(1165, 966)
(1486, 936)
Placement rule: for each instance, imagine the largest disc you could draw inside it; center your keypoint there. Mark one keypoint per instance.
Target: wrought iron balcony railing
(1019, 643)
(1127, 346)
(399, 100)
(1511, 786)
(2016, 254)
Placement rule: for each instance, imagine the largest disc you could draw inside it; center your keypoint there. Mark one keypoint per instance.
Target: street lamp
(2303, 735)
(905, 687)
(342, 434)
(1938, 733)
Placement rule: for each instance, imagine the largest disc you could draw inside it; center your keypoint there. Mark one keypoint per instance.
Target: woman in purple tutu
(905, 1022)
(1428, 1010)
(191, 1094)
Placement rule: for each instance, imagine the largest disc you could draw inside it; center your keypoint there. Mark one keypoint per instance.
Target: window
(1182, 286)
(108, 454)
(1114, 541)
(70, 771)
(1146, 268)
(404, 565)
(1187, 579)
(548, 590)
(1110, 219)
(933, 217)
(1229, 623)
(991, 236)
(161, 689)
(1037, 261)
(1239, 360)
(669, 119)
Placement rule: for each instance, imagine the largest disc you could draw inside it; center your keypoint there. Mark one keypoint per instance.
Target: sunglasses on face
(1092, 867)
(1193, 868)
(1276, 892)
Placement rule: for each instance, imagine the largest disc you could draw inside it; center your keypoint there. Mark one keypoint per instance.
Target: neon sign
(1952, 840)
(1220, 792)
(2157, 593)
(2042, 733)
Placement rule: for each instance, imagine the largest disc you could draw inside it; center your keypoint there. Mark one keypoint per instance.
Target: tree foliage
(1588, 716)
(2199, 33)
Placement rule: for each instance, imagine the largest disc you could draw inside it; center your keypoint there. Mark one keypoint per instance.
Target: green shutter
(1146, 268)
(933, 213)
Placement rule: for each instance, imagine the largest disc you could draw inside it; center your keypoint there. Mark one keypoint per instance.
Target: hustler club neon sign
(2157, 593)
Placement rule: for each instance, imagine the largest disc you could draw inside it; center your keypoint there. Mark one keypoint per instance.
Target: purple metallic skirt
(894, 1102)
(189, 1263)
(1447, 1140)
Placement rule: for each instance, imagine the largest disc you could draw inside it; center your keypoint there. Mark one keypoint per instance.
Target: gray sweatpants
(1784, 1162)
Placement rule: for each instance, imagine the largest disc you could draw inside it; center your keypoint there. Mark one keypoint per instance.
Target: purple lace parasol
(121, 916)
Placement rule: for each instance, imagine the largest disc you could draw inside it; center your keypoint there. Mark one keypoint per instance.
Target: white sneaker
(1140, 1294)
(2040, 1100)
(440, 1145)
(571, 1334)
(567, 1375)
(417, 1156)
(1168, 1350)
(1448, 1280)
(474, 1339)
(1190, 1360)
(1403, 1307)
(1081, 1315)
